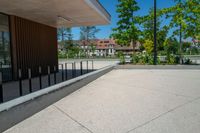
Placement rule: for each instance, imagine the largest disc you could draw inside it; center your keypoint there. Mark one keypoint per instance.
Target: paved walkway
(125, 101)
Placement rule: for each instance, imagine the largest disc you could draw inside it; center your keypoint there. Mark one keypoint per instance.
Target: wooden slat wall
(33, 45)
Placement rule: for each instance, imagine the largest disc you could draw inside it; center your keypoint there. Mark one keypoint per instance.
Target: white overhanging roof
(57, 13)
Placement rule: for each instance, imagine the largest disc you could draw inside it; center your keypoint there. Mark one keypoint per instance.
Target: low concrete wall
(21, 108)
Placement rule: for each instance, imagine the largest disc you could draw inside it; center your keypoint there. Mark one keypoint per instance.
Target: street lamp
(155, 33)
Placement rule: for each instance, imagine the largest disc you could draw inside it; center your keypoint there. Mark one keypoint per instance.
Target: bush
(172, 59)
(122, 59)
(135, 59)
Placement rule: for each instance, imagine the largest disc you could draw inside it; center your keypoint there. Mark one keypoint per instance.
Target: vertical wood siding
(33, 45)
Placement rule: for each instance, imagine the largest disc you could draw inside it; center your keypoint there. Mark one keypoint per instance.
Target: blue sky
(110, 6)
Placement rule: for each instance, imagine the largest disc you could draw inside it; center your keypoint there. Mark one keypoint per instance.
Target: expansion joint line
(73, 119)
(171, 110)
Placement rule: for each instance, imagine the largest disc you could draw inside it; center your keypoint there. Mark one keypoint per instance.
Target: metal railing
(63, 72)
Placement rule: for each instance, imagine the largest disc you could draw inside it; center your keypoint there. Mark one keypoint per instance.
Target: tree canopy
(126, 32)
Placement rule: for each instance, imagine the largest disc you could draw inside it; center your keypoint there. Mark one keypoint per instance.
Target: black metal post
(81, 67)
(74, 69)
(1, 88)
(180, 44)
(1, 65)
(66, 73)
(180, 49)
(155, 32)
(54, 74)
(49, 78)
(40, 77)
(30, 81)
(62, 68)
(20, 82)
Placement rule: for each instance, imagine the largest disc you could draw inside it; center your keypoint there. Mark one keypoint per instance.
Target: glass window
(5, 58)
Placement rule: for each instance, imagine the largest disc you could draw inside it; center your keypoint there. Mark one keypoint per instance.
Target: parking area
(125, 101)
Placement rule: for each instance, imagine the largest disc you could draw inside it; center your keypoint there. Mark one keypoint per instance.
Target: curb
(160, 67)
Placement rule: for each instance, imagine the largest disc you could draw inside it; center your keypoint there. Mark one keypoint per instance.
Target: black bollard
(74, 69)
(30, 81)
(1, 88)
(81, 66)
(20, 82)
(40, 77)
(66, 73)
(54, 68)
(49, 76)
(62, 68)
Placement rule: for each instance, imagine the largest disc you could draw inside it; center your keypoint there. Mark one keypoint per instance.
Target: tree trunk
(133, 45)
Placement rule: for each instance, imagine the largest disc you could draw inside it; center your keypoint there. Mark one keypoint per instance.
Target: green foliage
(147, 23)
(135, 59)
(126, 31)
(194, 51)
(122, 59)
(171, 46)
(185, 13)
(93, 48)
(171, 59)
(73, 52)
(65, 37)
(142, 59)
(119, 54)
(87, 34)
(148, 46)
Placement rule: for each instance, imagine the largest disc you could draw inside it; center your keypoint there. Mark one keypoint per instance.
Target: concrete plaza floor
(125, 101)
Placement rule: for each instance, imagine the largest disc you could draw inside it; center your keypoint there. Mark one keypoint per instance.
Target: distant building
(105, 47)
(127, 50)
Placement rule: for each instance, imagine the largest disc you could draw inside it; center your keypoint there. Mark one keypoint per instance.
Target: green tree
(192, 18)
(148, 45)
(171, 46)
(126, 32)
(87, 34)
(147, 23)
(69, 40)
(185, 19)
(65, 37)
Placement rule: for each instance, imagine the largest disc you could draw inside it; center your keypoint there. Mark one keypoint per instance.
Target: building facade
(28, 31)
(107, 48)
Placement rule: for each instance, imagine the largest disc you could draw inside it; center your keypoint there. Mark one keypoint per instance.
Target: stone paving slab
(185, 119)
(49, 120)
(123, 101)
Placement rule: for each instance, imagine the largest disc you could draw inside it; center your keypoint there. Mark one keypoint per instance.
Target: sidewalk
(125, 101)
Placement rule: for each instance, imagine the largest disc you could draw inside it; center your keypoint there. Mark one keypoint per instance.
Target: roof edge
(96, 5)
